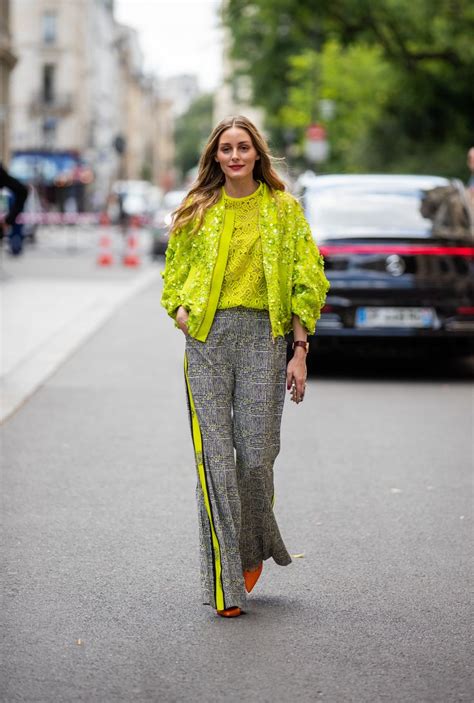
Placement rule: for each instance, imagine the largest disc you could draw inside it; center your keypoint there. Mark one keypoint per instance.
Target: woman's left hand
(296, 376)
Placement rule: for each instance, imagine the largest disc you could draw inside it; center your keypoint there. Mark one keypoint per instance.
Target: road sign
(315, 133)
(316, 147)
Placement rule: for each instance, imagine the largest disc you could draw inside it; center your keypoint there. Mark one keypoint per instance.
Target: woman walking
(242, 271)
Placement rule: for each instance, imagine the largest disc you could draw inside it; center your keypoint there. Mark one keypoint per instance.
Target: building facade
(133, 104)
(79, 86)
(7, 62)
(64, 87)
(181, 91)
(164, 171)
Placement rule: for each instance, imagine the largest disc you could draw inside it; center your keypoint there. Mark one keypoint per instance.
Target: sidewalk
(46, 317)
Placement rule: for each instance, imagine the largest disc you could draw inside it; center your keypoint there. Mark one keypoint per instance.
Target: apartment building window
(49, 73)
(49, 27)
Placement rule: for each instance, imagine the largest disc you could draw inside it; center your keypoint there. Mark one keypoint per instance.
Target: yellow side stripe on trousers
(198, 449)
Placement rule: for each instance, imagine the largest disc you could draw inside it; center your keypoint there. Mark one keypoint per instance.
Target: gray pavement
(101, 600)
(53, 298)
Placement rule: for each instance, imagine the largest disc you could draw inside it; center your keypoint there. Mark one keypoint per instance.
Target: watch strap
(300, 343)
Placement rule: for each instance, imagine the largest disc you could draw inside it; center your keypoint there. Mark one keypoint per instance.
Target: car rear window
(370, 212)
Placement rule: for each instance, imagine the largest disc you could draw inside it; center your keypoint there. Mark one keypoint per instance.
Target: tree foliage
(357, 82)
(400, 73)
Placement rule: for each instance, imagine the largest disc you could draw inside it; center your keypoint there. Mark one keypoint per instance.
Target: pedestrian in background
(242, 271)
(16, 201)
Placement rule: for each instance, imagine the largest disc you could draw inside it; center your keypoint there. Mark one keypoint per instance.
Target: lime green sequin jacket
(293, 266)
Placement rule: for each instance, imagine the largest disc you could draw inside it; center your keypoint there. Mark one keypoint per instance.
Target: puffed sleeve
(310, 284)
(178, 263)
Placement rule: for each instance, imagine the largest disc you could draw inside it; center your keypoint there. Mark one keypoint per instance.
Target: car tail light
(466, 310)
(327, 308)
(407, 249)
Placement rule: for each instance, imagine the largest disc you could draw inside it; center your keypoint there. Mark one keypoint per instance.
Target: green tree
(265, 35)
(424, 117)
(191, 132)
(356, 80)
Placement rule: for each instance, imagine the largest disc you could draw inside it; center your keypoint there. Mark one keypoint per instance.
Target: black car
(399, 254)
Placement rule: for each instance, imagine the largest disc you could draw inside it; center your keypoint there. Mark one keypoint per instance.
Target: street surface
(53, 298)
(101, 598)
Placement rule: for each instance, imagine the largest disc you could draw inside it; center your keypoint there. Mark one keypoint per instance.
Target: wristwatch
(300, 343)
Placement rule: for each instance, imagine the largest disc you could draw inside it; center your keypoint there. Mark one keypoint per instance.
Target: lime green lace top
(244, 279)
(293, 265)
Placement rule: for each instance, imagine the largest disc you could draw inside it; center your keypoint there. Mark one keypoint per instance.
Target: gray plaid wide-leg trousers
(235, 383)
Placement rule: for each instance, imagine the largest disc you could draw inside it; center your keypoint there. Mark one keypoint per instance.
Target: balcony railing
(59, 105)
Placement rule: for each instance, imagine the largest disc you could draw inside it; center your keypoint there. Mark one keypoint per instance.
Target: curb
(25, 379)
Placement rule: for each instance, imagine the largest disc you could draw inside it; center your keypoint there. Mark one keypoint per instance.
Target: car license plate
(395, 317)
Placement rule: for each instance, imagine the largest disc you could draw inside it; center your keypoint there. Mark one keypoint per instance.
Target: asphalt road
(100, 566)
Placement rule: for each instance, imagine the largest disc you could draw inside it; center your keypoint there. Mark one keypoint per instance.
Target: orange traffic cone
(131, 257)
(105, 256)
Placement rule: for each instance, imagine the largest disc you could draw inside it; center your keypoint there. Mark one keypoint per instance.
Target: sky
(177, 36)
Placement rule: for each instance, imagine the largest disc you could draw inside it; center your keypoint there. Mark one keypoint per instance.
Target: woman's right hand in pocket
(182, 319)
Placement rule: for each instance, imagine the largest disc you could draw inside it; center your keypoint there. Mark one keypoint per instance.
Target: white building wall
(7, 62)
(105, 89)
(24, 20)
(87, 82)
(27, 77)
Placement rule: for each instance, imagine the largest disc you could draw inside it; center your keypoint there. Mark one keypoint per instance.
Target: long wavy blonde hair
(206, 190)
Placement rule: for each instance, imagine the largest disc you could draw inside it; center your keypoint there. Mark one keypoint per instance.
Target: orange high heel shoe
(230, 612)
(251, 578)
